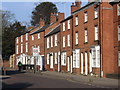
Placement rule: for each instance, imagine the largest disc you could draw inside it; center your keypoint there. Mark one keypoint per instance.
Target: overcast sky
(23, 10)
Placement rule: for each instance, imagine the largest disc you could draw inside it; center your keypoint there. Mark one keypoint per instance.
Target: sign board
(35, 52)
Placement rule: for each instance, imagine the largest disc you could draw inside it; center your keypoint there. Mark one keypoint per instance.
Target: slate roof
(40, 29)
(53, 31)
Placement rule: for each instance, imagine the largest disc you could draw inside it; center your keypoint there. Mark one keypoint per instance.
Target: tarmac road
(27, 80)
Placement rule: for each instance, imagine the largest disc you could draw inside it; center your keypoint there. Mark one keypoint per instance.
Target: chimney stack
(60, 16)
(76, 6)
(53, 17)
(42, 22)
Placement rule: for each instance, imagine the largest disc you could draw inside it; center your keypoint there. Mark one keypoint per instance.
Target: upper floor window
(21, 48)
(32, 37)
(96, 12)
(86, 35)
(22, 38)
(38, 48)
(76, 20)
(68, 24)
(118, 9)
(76, 38)
(63, 41)
(63, 26)
(56, 40)
(51, 41)
(26, 47)
(69, 40)
(86, 16)
(16, 49)
(56, 58)
(96, 32)
(119, 33)
(17, 40)
(38, 35)
(26, 36)
(48, 42)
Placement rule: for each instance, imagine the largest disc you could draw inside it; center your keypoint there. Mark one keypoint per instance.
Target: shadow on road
(16, 85)
(13, 72)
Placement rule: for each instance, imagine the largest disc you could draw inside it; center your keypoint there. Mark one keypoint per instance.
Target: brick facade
(87, 40)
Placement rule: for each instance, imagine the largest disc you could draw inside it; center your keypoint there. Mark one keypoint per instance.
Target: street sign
(35, 52)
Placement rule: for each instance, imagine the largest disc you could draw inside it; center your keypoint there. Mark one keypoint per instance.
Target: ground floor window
(63, 58)
(95, 56)
(47, 58)
(76, 58)
(118, 58)
(56, 58)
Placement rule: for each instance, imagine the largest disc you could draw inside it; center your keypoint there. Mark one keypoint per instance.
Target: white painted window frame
(17, 49)
(48, 43)
(48, 57)
(68, 24)
(63, 26)
(118, 32)
(118, 9)
(51, 41)
(38, 35)
(64, 59)
(96, 12)
(21, 38)
(96, 32)
(76, 38)
(76, 20)
(63, 41)
(86, 35)
(68, 38)
(26, 47)
(32, 37)
(55, 57)
(85, 16)
(56, 39)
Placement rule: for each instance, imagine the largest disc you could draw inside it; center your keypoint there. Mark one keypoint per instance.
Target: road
(28, 80)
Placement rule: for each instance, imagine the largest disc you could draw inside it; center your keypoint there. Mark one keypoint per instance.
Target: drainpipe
(101, 36)
(72, 44)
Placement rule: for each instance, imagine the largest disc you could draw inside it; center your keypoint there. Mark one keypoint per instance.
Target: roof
(69, 17)
(112, 2)
(53, 31)
(40, 29)
(86, 6)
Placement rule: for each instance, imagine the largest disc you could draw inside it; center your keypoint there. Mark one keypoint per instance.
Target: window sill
(85, 42)
(76, 45)
(85, 22)
(95, 18)
(76, 25)
(96, 40)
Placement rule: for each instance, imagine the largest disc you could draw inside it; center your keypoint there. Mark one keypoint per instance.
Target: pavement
(90, 80)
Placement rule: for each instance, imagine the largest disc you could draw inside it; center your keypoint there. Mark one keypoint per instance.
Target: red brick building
(86, 42)
(116, 33)
(52, 43)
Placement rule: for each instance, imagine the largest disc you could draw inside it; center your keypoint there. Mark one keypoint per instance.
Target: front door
(43, 63)
(51, 61)
(68, 66)
(81, 63)
(86, 64)
(58, 63)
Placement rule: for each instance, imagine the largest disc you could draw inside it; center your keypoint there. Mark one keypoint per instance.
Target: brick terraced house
(86, 42)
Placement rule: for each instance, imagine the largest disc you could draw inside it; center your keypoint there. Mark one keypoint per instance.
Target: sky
(22, 10)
